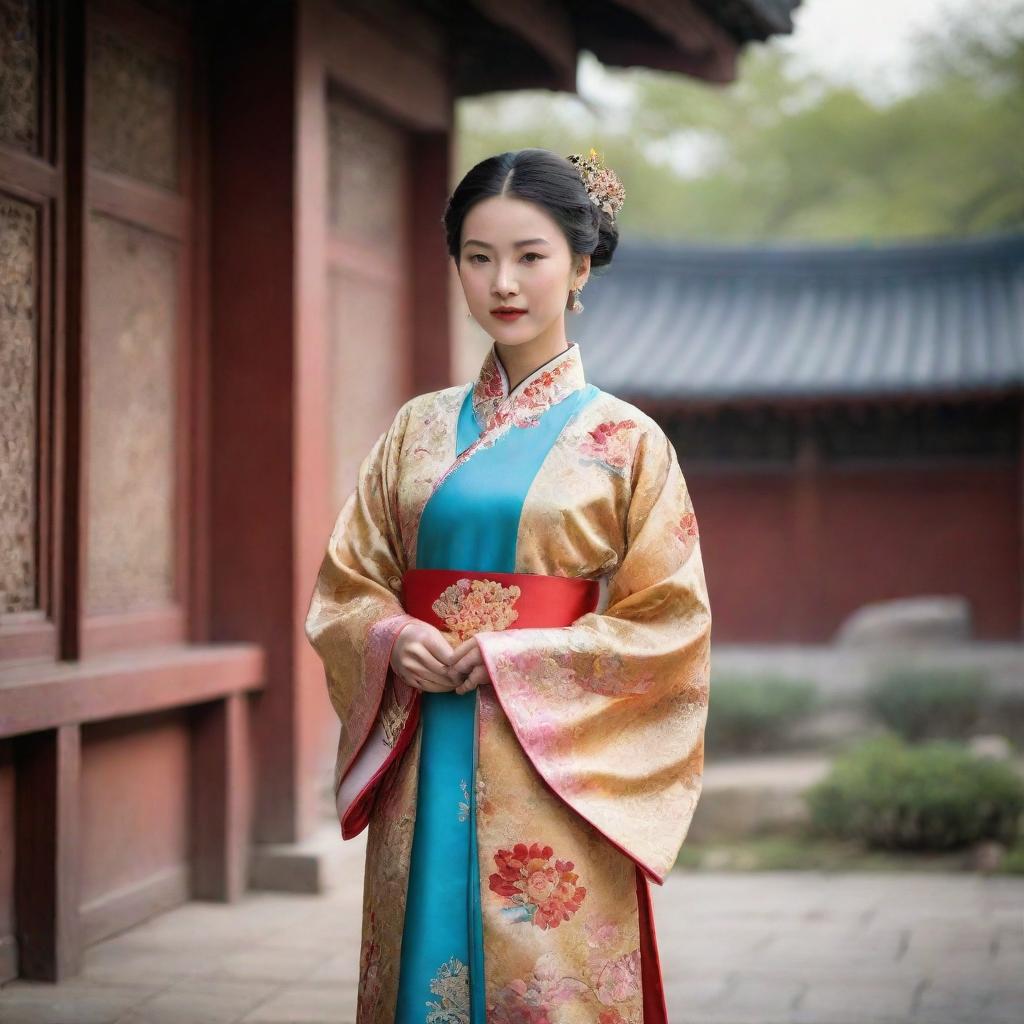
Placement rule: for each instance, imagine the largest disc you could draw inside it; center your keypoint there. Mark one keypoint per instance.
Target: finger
(430, 686)
(439, 677)
(480, 675)
(419, 656)
(467, 662)
(468, 644)
(438, 648)
(466, 686)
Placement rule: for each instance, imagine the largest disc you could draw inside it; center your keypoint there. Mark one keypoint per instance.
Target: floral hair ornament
(603, 186)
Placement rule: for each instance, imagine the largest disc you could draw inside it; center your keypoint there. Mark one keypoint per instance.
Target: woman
(514, 621)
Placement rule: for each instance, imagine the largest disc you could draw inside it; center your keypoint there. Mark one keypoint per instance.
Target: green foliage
(1013, 862)
(754, 713)
(787, 155)
(935, 796)
(808, 853)
(929, 703)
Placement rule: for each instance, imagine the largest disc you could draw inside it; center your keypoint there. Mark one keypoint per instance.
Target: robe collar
(545, 386)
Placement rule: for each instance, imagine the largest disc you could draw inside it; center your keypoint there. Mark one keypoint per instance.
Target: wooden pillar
(220, 799)
(47, 876)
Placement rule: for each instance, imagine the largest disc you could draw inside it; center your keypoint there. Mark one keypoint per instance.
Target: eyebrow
(487, 245)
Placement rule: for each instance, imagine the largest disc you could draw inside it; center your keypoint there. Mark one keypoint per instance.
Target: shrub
(930, 703)
(935, 796)
(751, 713)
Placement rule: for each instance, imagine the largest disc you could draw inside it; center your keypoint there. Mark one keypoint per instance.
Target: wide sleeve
(353, 620)
(611, 710)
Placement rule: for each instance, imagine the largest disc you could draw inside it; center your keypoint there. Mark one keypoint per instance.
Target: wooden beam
(48, 696)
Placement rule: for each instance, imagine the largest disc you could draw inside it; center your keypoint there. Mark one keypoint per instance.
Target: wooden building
(221, 271)
(848, 417)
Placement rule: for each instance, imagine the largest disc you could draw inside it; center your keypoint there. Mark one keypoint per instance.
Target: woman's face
(514, 254)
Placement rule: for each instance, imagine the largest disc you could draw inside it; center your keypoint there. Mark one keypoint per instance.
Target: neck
(521, 360)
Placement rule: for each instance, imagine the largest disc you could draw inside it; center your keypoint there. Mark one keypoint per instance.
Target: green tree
(779, 154)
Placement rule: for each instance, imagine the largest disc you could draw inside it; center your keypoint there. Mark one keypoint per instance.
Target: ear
(583, 270)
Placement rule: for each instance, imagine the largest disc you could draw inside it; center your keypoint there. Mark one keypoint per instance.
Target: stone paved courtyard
(754, 948)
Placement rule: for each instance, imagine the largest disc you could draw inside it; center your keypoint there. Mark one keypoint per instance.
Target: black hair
(541, 177)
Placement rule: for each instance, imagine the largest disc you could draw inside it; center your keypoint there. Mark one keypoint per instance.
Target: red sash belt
(517, 601)
(507, 600)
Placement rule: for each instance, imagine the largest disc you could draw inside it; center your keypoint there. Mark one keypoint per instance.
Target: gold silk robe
(589, 738)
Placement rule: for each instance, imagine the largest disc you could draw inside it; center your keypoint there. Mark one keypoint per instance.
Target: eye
(537, 254)
(477, 255)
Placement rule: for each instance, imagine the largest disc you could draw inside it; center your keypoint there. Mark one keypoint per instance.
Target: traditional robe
(513, 830)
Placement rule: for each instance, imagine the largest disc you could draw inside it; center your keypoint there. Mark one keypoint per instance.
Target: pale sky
(868, 43)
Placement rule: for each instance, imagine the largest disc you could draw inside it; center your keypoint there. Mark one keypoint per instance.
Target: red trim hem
(655, 1009)
(357, 815)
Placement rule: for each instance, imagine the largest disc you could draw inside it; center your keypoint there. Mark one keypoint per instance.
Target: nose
(504, 283)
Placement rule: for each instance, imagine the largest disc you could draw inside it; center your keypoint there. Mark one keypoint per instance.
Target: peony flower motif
(601, 934)
(686, 528)
(610, 443)
(529, 1001)
(513, 1005)
(469, 606)
(538, 891)
(614, 1016)
(619, 979)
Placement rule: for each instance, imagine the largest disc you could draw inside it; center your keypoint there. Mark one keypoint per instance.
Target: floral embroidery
(499, 411)
(469, 606)
(539, 891)
(489, 389)
(464, 802)
(484, 806)
(393, 718)
(529, 1001)
(609, 443)
(601, 933)
(612, 983)
(599, 671)
(546, 386)
(370, 964)
(614, 1016)
(451, 983)
(619, 979)
(686, 528)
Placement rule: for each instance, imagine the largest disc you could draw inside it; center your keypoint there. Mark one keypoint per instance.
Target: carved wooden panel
(131, 400)
(19, 74)
(19, 424)
(365, 172)
(134, 109)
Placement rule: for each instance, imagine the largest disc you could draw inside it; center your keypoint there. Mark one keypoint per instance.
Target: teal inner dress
(470, 523)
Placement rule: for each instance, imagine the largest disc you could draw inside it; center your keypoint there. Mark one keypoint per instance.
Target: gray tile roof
(786, 320)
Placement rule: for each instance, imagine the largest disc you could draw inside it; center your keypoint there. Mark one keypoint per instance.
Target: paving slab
(769, 947)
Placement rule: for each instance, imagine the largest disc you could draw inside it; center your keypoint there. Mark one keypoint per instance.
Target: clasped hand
(425, 659)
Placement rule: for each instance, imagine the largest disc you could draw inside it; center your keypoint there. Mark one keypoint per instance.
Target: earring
(577, 306)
